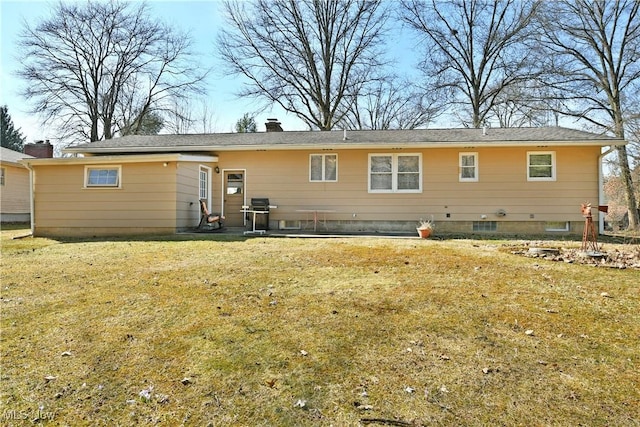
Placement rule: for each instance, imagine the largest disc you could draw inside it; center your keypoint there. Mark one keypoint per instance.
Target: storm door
(234, 198)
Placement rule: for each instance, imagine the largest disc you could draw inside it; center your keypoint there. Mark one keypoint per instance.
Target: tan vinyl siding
(162, 197)
(283, 177)
(15, 191)
(146, 200)
(187, 207)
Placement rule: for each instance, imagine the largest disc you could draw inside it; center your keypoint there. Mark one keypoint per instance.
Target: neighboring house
(506, 181)
(14, 187)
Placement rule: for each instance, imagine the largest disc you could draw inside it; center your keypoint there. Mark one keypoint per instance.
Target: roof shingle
(354, 139)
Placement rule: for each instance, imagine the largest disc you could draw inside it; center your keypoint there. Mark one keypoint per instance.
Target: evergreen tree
(246, 124)
(10, 137)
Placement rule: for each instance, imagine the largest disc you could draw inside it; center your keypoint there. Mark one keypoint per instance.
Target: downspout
(32, 214)
(601, 196)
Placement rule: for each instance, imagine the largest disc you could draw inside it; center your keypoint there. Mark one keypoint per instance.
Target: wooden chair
(209, 220)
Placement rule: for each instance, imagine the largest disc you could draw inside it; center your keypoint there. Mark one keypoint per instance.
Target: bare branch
(304, 55)
(475, 49)
(91, 65)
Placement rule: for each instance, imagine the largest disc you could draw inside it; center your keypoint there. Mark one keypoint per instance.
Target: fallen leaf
(529, 332)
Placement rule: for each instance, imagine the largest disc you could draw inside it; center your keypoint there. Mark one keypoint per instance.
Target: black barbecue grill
(261, 204)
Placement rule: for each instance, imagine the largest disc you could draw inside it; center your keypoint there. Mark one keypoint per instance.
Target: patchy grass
(272, 332)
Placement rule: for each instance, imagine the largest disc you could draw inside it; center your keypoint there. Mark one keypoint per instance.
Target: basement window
(556, 226)
(485, 225)
(102, 177)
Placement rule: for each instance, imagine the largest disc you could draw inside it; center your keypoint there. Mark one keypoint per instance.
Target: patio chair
(208, 220)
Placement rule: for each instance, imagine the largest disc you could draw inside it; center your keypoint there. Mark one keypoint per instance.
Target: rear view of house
(495, 181)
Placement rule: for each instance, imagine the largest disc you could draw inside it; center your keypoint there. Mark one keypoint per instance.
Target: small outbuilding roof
(11, 157)
(302, 140)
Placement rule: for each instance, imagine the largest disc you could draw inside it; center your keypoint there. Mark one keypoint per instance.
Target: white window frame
(551, 226)
(553, 166)
(3, 176)
(323, 166)
(89, 168)
(475, 167)
(207, 184)
(394, 173)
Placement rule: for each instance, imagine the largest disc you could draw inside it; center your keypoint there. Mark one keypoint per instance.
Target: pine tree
(10, 137)
(246, 124)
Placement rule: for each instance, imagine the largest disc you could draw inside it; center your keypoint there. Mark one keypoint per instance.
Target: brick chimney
(273, 125)
(40, 149)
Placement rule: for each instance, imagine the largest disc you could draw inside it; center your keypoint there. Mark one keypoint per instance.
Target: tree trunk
(625, 171)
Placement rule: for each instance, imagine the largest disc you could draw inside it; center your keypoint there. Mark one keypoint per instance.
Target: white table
(247, 209)
(316, 218)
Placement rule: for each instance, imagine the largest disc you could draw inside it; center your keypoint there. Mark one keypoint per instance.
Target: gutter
(121, 159)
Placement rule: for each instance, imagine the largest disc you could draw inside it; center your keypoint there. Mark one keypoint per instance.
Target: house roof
(301, 140)
(11, 157)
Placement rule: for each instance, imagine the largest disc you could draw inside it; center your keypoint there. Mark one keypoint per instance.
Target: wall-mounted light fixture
(165, 164)
(217, 169)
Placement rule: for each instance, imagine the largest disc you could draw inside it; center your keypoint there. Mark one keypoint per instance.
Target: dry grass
(344, 332)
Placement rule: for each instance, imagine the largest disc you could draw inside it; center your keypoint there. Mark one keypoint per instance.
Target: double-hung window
(323, 167)
(468, 167)
(395, 173)
(541, 166)
(102, 176)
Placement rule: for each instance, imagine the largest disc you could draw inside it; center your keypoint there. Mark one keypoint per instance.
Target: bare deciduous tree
(389, 103)
(304, 55)
(94, 67)
(523, 105)
(475, 50)
(595, 49)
